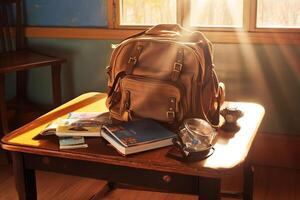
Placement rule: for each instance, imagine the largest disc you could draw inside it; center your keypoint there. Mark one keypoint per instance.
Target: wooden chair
(16, 57)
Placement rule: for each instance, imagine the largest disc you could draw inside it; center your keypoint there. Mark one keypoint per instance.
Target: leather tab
(171, 109)
(177, 67)
(133, 59)
(127, 100)
(126, 114)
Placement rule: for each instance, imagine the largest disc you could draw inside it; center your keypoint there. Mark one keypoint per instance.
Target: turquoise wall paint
(84, 71)
(267, 74)
(67, 13)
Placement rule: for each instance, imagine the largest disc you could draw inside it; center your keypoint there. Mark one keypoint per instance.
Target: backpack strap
(177, 67)
(171, 112)
(218, 90)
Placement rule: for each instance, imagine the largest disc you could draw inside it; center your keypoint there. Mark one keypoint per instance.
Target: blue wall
(66, 13)
(84, 71)
(267, 74)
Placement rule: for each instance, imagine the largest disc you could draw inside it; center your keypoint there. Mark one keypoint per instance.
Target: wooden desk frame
(26, 164)
(200, 178)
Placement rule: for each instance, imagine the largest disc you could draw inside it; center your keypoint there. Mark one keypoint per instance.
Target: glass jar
(196, 135)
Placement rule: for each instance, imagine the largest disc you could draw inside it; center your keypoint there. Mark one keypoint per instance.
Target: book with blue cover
(136, 136)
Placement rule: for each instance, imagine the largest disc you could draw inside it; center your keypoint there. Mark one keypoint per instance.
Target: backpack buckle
(171, 115)
(132, 59)
(177, 67)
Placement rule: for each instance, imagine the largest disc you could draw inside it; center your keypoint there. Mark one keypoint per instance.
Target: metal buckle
(177, 66)
(170, 114)
(132, 59)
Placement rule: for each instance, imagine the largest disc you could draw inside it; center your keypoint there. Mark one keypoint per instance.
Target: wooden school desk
(153, 169)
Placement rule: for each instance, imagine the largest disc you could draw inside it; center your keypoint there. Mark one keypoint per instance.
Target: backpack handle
(167, 30)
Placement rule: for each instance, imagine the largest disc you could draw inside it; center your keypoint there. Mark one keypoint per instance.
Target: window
(250, 15)
(216, 13)
(278, 14)
(147, 12)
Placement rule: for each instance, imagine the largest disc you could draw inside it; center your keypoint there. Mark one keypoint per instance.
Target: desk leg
(209, 188)
(56, 84)
(248, 181)
(108, 187)
(24, 178)
(3, 108)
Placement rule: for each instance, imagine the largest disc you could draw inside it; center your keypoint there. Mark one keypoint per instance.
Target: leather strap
(133, 59)
(209, 66)
(207, 49)
(127, 100)
(207, 54)
(218, 98)
(171, 109)
(177, 67)
(126, 113)
(115, 83)
(114, 95)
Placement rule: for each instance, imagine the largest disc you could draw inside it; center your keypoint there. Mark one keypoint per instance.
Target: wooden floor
(270, 184)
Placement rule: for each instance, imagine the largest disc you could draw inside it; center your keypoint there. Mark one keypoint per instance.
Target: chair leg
(4, 115)
(21, 86)
(56, 84)
(3, 108)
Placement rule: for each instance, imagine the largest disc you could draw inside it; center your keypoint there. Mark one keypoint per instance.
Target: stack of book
(127, 138)
(72, 130)
(137, 136)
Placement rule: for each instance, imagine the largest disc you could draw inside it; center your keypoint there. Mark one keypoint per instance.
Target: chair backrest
(11, 26)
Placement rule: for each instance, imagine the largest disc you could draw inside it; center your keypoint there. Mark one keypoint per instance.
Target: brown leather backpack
(166, 74)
